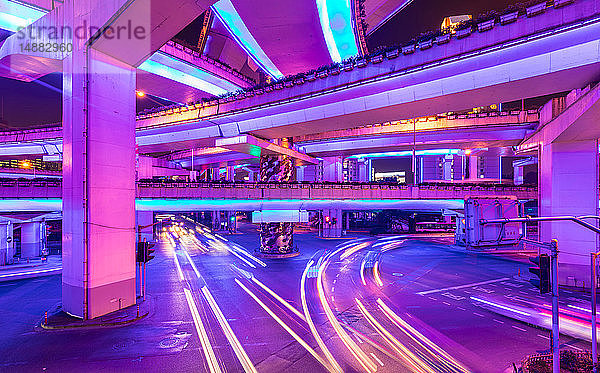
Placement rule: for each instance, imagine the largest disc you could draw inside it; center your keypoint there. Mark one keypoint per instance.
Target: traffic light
(149, 251)
(542, 271)
(140, 252)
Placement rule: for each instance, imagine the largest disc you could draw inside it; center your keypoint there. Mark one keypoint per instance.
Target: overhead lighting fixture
(140, 93)
(230, 18)
(338, 30)
(14, 15)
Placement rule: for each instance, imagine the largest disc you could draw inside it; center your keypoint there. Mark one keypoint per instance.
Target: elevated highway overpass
(552, 52)
(14, 190)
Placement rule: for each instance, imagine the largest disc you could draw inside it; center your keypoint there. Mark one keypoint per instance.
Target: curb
(106, 324)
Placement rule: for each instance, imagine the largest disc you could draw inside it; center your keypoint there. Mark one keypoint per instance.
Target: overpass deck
(281, 191)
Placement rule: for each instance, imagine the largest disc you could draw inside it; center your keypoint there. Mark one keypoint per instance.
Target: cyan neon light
(14, 15)
(337, 26)
(165, 205)
(230, 18)
(171, 68)
(405, 153)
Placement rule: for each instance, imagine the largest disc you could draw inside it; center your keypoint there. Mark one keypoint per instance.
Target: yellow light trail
(416, 364)
(354, 249)
(233, 341)
(283, 324)
(358, 354)
(401, 323)
(376, 275)
(335, 367)
(281, 300)
(209, 353)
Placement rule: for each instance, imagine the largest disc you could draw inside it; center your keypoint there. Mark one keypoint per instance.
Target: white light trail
(233, 341)
(209, 353)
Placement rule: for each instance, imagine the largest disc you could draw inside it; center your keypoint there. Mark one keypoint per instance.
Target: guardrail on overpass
(274, 191)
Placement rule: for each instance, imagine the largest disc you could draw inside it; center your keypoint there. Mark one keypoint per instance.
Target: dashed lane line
(463, 286)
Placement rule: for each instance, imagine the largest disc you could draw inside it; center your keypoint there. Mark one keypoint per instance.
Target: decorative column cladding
(277, 239)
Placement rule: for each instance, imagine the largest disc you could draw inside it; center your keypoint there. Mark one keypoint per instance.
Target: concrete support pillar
(7, 246)
(98, 236)
(216, 220)
(32, 239)
(144, 219)
(332, 223)
(473, 168)
(364, 171)
(277, 239)
(568, 184)
(230, 173)
(518, 175)
(300, 173)
(447, 168)
(332, 169)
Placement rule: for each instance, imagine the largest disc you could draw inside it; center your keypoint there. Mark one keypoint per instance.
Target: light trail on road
(418, 337)
(335, 367)
(283, 325)
(416, 364)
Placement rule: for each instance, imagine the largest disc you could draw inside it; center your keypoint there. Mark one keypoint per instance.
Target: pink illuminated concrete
(251, 145)
(568, 181)
(289, 32)
(98, 189)
(248, 190)
(462, 74)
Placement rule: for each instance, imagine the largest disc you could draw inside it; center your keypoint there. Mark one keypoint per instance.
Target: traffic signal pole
(594, 257)
(555, 326)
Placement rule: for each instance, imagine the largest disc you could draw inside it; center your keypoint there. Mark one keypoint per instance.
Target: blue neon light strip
(55, 204)
(14, 15)
(337, 26)
(406, 153)
(230, 18)
(194, 78)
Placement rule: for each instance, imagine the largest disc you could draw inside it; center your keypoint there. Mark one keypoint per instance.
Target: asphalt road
(389, 304)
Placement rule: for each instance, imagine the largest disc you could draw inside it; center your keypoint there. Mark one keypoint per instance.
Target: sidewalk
(37, 268)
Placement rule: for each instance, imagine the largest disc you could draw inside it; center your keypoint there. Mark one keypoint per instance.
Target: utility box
(488, 235)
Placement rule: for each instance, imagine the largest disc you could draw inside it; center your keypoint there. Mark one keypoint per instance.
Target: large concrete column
(98, 179)
(230, 173)
(518, 175)
(568, 183)
(32, 239)
(7, 248)
(364, 170)
(332, 169)
(473, 168)
(277, 239)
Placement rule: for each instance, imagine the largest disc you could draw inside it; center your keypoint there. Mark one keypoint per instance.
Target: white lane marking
(478, 314)
(446, 303)
(31, 272)
(464, 286)
(460, 308)
(432, 298)
(577, 348)
(376, 358)
(209, 353)
(543, 336)
(521, 329)
(498, 321)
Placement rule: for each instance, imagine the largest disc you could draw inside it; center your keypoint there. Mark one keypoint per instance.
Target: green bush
(539, 366)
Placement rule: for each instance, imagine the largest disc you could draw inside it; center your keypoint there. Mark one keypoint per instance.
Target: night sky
(39, 102)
